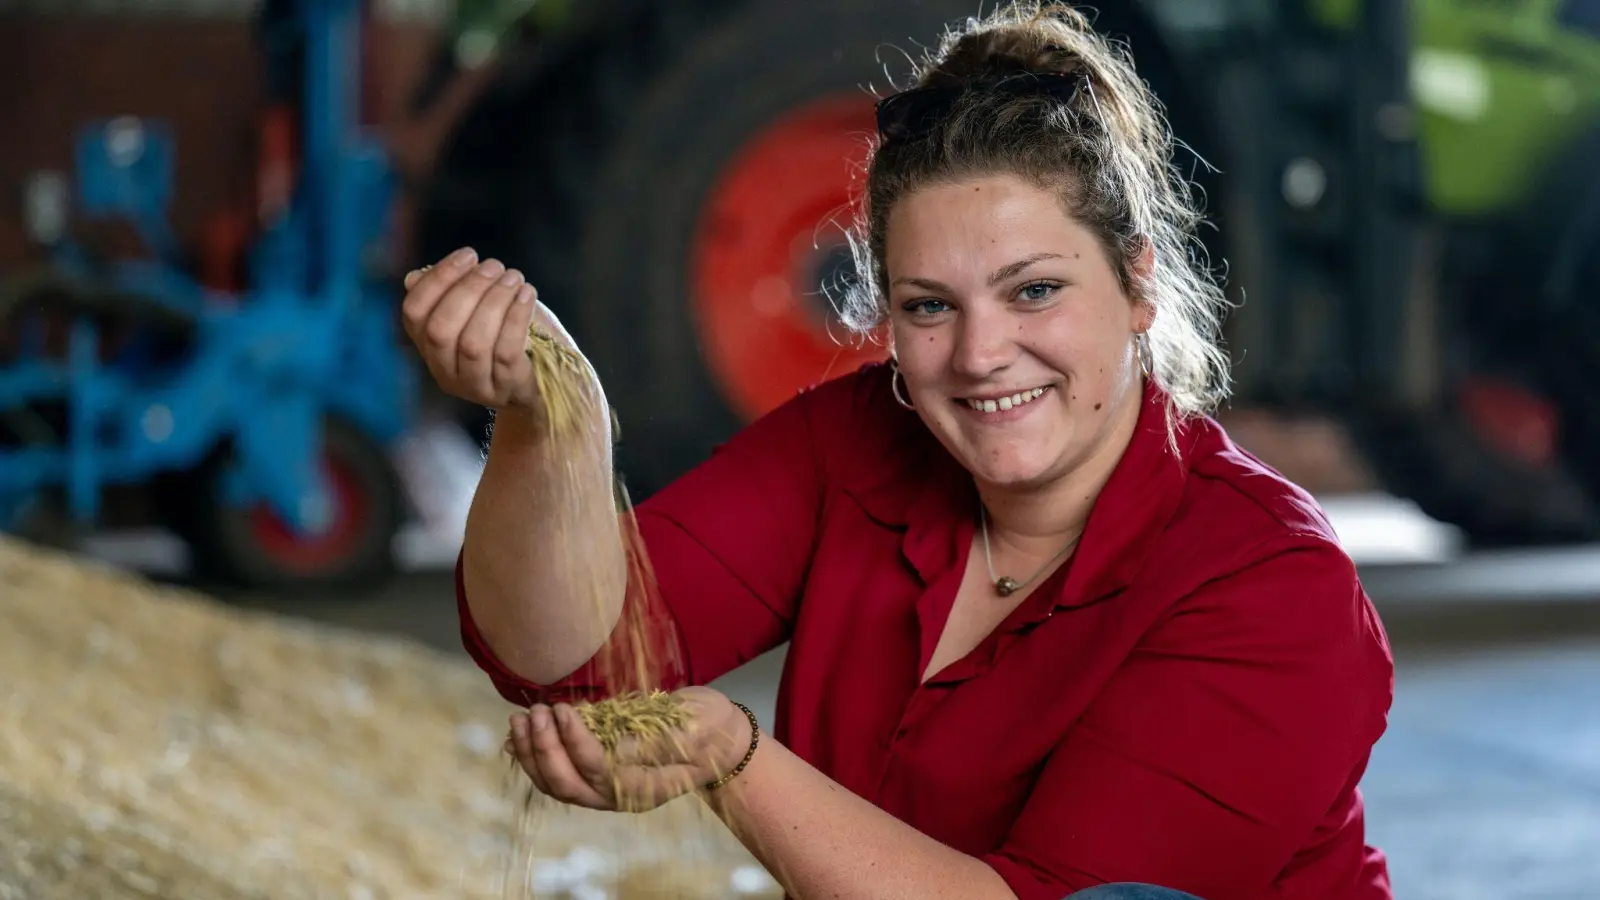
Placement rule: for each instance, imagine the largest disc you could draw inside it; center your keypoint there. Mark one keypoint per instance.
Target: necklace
(1005, 585)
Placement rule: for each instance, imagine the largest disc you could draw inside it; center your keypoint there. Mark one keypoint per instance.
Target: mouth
(1004, 402)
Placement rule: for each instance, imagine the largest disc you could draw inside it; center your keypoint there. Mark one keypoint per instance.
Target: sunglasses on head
(915, 112)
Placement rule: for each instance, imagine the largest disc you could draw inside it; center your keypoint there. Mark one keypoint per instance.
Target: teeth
(1010, 402)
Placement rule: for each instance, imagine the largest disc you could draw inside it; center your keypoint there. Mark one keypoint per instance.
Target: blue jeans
(1130, 891)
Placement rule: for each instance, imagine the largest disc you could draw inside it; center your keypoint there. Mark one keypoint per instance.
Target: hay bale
(156, 744)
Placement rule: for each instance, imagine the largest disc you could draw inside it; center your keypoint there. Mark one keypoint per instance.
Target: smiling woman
(1051, 633)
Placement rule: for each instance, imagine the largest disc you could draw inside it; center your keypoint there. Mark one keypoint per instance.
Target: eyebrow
(1008, 270)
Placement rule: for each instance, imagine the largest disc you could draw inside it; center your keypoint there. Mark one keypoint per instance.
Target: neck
(1037, 520)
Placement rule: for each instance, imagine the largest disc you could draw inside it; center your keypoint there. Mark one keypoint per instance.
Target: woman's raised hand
(469, 320)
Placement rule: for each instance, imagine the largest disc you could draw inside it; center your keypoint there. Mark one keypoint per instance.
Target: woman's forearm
(542, 561)
(823, 842)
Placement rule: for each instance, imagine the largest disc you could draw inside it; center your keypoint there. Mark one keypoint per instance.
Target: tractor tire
(1510, 454)
(254, 548)
(1443, 462)
(684, 202)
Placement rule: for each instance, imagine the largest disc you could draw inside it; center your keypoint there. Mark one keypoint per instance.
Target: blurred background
(208, 206)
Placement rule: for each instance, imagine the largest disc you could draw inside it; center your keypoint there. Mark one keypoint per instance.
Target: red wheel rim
(771, 224)
(1514, 422)
(306, 554)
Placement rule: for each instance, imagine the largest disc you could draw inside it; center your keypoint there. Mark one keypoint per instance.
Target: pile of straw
(156, 744)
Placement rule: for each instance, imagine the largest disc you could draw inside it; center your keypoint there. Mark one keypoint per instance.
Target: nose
(985, 342)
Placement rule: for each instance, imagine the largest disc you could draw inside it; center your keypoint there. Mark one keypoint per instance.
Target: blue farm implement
(260, 418)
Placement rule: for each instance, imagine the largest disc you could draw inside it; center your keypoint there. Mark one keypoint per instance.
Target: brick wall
(200, 74)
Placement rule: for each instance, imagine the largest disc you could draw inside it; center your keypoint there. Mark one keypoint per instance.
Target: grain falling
(635, 662)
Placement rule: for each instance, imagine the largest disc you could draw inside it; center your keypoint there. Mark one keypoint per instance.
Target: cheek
(1093, 360)
(919, 352)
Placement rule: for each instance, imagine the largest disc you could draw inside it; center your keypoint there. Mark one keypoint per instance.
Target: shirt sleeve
(728, 544)
(1214, 752)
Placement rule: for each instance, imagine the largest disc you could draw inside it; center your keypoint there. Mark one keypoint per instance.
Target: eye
(926, 307)
(1037, 291)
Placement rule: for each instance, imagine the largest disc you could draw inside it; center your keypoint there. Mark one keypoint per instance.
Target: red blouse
(1190, 702)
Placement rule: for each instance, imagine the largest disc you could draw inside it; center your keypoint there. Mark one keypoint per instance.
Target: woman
(1051, 632)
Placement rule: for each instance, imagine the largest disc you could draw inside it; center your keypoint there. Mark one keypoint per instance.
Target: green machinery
(1407, 196)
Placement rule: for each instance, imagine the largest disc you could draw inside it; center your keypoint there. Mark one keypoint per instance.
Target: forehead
(980, 221)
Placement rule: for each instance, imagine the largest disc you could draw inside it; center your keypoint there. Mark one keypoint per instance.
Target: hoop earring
(1147, 359)
(894, 385)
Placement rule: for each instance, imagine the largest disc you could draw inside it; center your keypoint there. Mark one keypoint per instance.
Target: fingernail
(526, 294)
(491, 268)
(511, 277)
(540, 719)
(466, 256)
(563, 716)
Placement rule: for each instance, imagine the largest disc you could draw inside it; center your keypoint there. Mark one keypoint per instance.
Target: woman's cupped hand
(567, 762)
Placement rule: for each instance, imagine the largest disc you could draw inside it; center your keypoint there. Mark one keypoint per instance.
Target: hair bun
(1030, 37)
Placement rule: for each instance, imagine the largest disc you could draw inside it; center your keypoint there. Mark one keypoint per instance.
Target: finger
(511, 366)
(583, 748)
(560, 776)
(450, 314)
(424, 290)
(522, 750)
(475, 349)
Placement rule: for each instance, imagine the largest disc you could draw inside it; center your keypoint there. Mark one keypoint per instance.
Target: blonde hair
(1107, 152)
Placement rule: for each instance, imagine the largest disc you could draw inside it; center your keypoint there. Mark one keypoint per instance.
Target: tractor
(259, 415)
(1405, 197)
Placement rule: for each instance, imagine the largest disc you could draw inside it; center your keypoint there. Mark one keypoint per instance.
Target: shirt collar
(919, 487)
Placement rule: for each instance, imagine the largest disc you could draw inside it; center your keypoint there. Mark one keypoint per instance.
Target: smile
(1011, 401)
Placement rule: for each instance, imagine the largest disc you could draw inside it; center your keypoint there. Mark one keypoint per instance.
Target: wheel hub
(309, 553)
(769, 257)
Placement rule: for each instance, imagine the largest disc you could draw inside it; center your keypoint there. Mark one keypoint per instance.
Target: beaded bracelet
(755, 738)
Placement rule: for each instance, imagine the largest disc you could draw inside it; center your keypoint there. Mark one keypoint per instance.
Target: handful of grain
(642, 715)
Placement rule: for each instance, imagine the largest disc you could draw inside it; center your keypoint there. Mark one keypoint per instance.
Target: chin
(1015, 473)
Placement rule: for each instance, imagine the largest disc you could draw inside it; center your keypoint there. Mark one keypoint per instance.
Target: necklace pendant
(1006, 585)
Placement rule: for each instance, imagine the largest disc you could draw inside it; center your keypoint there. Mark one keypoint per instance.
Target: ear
(1143, 266)
(1144, 315)
(1144, 260)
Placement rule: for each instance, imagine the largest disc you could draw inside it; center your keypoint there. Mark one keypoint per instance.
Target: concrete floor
(1488, 782)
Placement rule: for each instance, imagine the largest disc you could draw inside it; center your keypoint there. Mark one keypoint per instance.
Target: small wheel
(255, 547)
